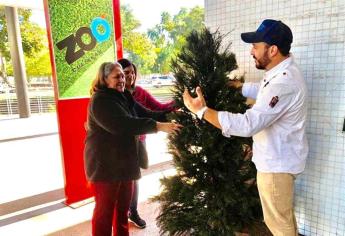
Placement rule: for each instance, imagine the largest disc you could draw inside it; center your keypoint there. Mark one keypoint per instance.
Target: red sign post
(81, 35)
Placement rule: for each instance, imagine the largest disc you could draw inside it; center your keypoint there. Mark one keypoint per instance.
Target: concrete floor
(31, 180)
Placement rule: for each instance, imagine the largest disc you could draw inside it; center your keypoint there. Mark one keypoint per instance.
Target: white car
(5, 89)
(2, 88)
(164, 80)
(144, 83)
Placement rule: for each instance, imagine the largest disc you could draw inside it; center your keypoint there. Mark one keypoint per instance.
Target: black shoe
(135, 218)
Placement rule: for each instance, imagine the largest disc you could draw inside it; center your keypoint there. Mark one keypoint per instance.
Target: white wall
(319, 48)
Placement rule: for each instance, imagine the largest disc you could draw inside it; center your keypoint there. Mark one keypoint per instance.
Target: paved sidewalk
(31, 180)
(30, 157)
(55, 219)
(43, 124)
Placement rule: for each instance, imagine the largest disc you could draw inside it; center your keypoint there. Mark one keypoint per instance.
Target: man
(276, 121)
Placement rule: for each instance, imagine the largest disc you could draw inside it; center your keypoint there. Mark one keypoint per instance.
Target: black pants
(133, 208)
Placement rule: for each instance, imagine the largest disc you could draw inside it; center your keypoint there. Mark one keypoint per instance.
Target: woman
(141, 95)
(111, 161)
(148, 101)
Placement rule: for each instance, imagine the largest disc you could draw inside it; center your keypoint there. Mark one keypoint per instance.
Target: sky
(148, 12)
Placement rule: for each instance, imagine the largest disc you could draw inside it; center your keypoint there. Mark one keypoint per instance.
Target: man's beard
(262, 63)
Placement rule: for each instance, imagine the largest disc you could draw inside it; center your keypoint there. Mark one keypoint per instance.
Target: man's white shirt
(276, 121)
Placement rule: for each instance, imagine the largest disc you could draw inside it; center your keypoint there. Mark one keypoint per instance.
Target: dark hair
(135, 70)
(126, 63)
(103, 72)
(284, 50)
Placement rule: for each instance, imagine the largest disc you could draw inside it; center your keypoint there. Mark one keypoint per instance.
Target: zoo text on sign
(71, 41)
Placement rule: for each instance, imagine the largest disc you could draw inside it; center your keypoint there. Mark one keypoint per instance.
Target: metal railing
(41, 101)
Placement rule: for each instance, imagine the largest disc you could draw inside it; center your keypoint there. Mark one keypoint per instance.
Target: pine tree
(214, 191)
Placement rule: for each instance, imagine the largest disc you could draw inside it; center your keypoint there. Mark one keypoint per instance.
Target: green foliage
(34, 38)
(214, 191)
(137, 46)
(129, 22)
(39, 64)
(36, 65)
(170, 35)
(153, 52)
(141, 52)
(34, 43)
(32, 34)
(66, 19)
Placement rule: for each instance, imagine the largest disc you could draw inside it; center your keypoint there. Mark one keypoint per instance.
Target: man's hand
(194, 104)
(235, 84)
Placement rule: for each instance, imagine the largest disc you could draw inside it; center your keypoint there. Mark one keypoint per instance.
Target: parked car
(6, 89)
(144, 82)
(2, 88)
(40, 82)
(164, 80)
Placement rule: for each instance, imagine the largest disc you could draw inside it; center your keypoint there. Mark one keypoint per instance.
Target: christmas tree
(214, 190)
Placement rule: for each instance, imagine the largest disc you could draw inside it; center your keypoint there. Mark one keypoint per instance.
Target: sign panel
(83, 38)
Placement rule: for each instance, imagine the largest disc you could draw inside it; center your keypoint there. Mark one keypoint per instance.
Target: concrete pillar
(15, 42)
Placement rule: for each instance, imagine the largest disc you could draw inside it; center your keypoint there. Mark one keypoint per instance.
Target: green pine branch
(214, 191)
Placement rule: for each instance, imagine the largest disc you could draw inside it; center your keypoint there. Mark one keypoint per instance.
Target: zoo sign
(77, 39)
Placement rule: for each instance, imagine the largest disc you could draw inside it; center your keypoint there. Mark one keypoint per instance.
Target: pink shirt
(143, 97)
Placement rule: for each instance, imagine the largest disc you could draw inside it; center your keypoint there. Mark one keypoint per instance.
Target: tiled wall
(318, 47)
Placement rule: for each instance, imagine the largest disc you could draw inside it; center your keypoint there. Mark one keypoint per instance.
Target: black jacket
(113, 124)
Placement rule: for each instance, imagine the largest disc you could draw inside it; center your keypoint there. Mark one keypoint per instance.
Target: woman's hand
(168, 127)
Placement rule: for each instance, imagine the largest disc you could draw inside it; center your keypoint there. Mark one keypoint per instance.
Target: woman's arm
(147, 100)
(144, 112)
(112, 117)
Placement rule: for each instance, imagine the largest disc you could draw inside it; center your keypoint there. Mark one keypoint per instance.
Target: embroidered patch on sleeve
(274, 101)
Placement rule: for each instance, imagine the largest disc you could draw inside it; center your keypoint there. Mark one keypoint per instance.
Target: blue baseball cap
(272, 32)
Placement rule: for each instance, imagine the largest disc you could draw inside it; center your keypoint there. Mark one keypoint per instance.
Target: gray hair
(103, 72)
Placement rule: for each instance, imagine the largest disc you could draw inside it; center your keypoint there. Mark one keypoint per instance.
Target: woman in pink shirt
(143, 97)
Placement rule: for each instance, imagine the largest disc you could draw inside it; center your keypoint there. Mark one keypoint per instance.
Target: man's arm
(212, 117)
(250, 90)
(273, 104)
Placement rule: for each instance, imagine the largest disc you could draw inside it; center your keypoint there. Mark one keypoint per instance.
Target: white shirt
(276, 121)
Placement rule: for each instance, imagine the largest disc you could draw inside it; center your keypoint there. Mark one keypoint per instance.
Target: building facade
(318, 47)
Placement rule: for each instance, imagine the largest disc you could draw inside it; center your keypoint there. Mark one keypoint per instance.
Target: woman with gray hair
(111, 157)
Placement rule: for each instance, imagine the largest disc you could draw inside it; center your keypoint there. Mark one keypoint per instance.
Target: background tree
(39, 64)
(34, 43)
(137, 46)
(214, 191)
(153, 51)
(170, 35)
